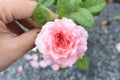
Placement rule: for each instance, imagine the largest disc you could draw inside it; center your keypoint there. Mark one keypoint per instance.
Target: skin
(14, 42)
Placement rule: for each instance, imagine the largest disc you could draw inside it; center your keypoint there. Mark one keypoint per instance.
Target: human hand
(13, 46)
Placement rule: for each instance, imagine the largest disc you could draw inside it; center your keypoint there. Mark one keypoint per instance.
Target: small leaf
(65, 5)
(117, 17)
(94, 6)
(41, 15)
(83, 0)
(61, 13)
(53, 8)
(75, 4)
(69, 6)
(37, 51)
(46, 2)
(83, 63)
(83, 17)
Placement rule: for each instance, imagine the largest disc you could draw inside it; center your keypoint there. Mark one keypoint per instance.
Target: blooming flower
(62, 42)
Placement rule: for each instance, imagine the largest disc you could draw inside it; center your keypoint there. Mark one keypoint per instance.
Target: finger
(15, 28)
(3, 28)
(27, 40)
(22, 9)
(17, 47)
(28, 23)
(29, 6)
(16, 9)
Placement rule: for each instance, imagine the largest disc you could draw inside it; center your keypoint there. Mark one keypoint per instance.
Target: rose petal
(34, 64)
(20, 69)
(27, 57)
(118, 46)
(55, 67)
(35, 57)
(43, 64)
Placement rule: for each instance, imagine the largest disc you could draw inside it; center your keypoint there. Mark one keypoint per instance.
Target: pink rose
(62, 42)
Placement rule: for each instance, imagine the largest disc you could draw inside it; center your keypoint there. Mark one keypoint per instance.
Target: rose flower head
(62, 42)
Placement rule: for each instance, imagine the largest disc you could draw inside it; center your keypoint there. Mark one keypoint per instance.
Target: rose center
(61, 41)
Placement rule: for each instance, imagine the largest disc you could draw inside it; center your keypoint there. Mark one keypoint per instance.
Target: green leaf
(75, 4)
(61, 13)
(53, 8)
(64, 4)
(83, 17)
(117, 17)
(37, 51)
(41, 15)
(46, 2)
(83, 0)
(94, 6)
(83, 63)
(69, 6)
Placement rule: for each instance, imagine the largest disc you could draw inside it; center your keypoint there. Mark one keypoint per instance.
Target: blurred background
(103, 53)
(111, 1)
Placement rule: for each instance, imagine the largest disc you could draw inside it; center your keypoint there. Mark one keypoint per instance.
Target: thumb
(25, 41)
(20, 45)
(22, 9)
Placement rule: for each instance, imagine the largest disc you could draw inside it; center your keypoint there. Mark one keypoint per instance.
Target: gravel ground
(103, 57)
